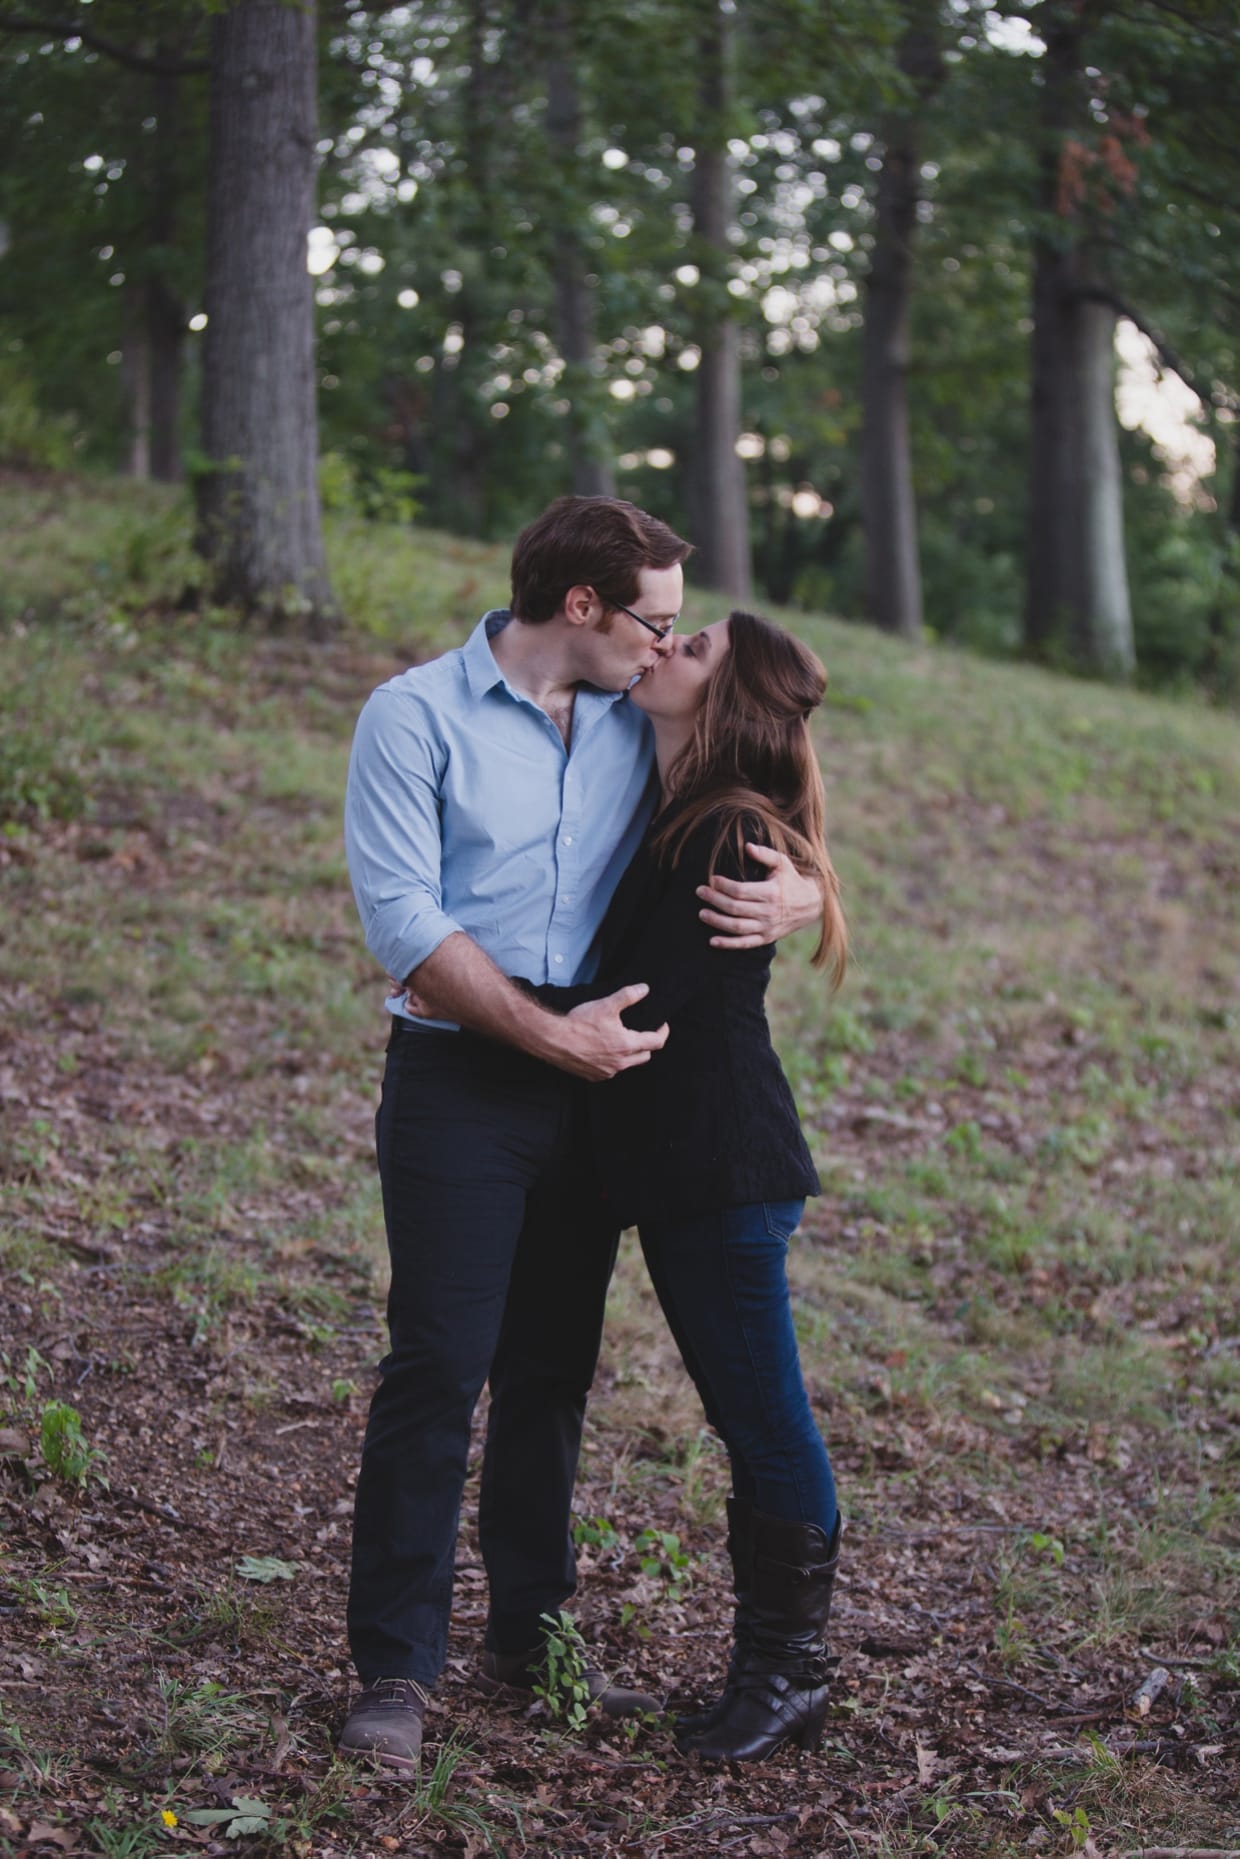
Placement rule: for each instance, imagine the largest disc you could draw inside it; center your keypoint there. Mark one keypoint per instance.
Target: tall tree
(888, 500)
(258, 500)
(114, 135)
(717, 479)
(1077, 577)
(589, 454)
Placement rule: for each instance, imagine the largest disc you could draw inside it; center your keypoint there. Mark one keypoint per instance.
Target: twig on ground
(1151, 1687)
(161, 1511)
(1008, 1684)
(1183, 1852)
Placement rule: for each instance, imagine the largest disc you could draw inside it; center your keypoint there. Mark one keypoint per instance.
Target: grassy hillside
(1017, 1294)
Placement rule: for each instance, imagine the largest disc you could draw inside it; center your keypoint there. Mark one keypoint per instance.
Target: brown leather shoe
(518, 1674)
(386, 1723)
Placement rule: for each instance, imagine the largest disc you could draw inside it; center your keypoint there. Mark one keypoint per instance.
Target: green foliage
(30, 439)
(662, 1557)
(23, 1381)
(1076, 1823)
(595, 1533)
(67, 1453)
(437, 1797)
(377, 493)
(443, 387)
(244, 1817)
(561, 1680)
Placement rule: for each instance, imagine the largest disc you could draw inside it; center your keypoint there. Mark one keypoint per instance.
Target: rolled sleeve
(392, 830)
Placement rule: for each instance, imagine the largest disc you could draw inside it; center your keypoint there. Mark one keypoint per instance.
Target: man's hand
(751, 914)
(595, 1043)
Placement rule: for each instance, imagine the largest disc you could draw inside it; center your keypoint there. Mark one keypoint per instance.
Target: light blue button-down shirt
(464, 811)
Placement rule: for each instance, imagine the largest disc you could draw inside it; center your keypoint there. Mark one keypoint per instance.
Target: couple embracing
(543, 829)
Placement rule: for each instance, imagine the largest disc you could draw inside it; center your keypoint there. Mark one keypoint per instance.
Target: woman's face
(673, 688)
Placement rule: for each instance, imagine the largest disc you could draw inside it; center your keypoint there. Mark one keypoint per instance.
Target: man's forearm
(459, 981)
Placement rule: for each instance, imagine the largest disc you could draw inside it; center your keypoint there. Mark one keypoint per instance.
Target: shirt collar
(482, 674)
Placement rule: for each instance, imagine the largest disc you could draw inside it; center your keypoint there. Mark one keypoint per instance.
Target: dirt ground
(150, 1671)
(1014, 1290)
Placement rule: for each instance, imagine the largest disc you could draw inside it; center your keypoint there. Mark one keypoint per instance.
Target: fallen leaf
(928, 1764)
(41, 1834)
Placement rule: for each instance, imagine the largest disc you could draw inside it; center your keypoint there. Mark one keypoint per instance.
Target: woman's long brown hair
(750, 757)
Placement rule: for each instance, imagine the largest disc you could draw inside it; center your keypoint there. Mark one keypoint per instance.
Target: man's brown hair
(598, 542)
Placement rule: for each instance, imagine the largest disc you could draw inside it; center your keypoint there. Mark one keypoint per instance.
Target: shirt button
(568, 839)
(567, 898)
(557, 958)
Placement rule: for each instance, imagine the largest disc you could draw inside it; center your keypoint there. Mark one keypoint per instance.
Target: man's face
(616, 647)
(674, 690)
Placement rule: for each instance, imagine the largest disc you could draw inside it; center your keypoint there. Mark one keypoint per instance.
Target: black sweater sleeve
(667, 945)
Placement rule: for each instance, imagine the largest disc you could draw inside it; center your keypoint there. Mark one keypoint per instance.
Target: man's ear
(582, 606)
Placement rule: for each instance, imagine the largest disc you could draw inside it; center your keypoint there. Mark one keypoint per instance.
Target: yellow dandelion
(169, 1818)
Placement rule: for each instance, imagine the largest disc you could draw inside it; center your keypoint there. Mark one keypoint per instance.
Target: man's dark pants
(501, 1253)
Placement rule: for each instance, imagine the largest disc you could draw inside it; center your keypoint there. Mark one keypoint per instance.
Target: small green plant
(201, 1719)
(965, 1139)
(133, 1841)
(23, 1381)
(595, 1533)
(238, 1614)
(436, 1798)
(244, 1816)
(1077, 1825)
(318, 1335)
(561, 1682)
(52, 1605)
(1047, 1545)
(662, 1557)
(343, 1390)
(66, 1452)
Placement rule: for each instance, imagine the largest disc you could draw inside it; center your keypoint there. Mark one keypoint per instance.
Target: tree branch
(123, 54)
(1219, 399)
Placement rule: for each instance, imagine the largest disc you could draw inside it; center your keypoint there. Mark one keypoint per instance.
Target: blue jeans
(721, 1280)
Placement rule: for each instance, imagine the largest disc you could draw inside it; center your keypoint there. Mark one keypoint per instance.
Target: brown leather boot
(740, 1550)
(386, 1723)
(779, 1690)
(518, 1673)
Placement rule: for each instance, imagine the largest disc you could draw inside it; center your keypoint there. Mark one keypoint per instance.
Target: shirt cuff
(400, 939)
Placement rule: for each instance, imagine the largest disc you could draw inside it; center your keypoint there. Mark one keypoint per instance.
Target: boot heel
(809, 1736)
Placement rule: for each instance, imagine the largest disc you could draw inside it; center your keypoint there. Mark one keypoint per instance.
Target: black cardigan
(709, 1122)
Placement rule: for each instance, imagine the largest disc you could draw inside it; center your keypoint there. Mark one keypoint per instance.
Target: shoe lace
(384, 1692)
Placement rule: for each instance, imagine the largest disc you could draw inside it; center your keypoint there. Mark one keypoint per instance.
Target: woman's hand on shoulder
(748, 913)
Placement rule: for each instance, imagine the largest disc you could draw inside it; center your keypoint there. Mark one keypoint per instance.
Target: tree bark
(165, 313)
(136, 382)
(258, 503)
(888, 499)
(1076, 574)
(590, 464)
(717, 488)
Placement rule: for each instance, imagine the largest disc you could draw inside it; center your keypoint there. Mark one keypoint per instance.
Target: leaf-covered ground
(1017, 1294)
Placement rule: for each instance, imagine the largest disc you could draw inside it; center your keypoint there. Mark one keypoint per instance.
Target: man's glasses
(660, 632)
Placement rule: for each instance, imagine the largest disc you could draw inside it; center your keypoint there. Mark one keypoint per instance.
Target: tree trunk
(166, 330)
(716, 475)
(165, 313)
(1077, 577)
(588, 449)
(136, 381)
(258, 503)
(1101, 613)
(888, 500)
